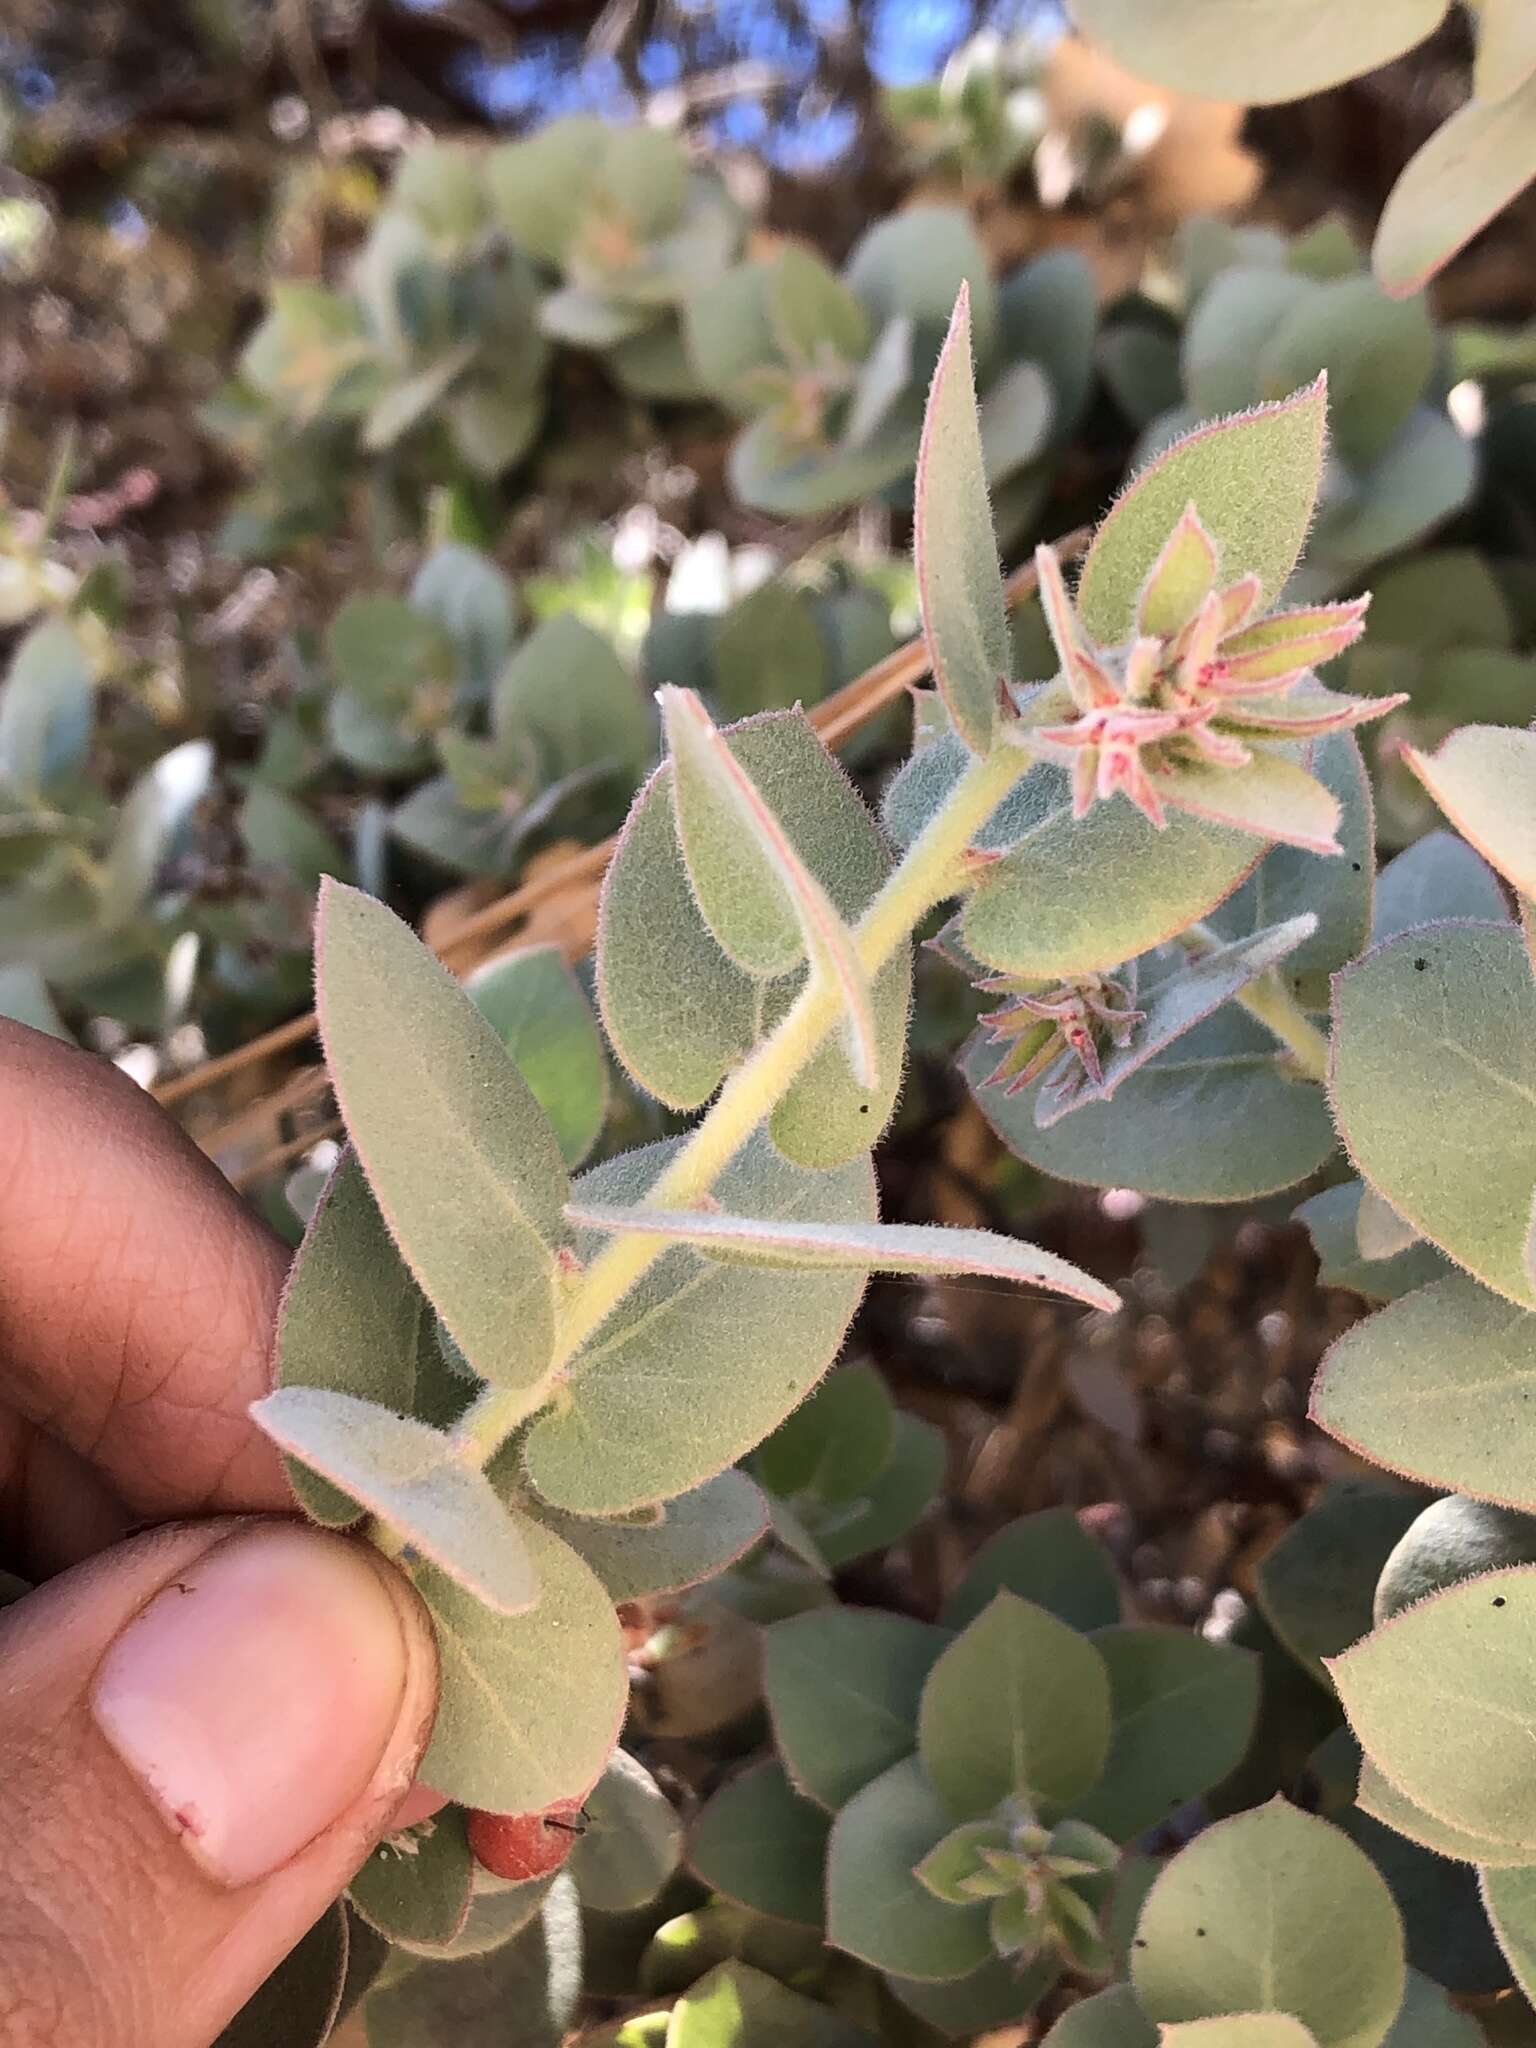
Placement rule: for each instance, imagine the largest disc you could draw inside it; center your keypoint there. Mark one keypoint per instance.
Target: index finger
(138, 1293)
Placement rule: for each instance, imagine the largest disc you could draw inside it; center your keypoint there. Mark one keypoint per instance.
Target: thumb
(203, 1733)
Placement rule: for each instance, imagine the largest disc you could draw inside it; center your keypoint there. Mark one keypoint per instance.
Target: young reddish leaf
(1289, 641)
(1306, 711)
(1484, 779)
(1180, 580)
(871, 1247)
(761, 901)
(408, 1476)
(960, 586)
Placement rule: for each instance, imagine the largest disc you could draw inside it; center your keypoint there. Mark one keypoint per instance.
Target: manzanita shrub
(560, 1396)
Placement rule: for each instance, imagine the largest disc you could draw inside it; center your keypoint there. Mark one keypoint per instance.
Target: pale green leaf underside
(1253, 479)
(350, 1320)
(700, 1360)
(1018, 1705)
(1484, 779)
(463, 1163)
(1434, 1087)
(1440, 1385)
(406, 1474)
(959, 584)
(867, 1248)
(530, 1706)
(698, 1535)
(1274, 1910)
(1462, 1660)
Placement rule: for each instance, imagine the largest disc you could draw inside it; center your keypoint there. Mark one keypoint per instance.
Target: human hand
(207, 1724)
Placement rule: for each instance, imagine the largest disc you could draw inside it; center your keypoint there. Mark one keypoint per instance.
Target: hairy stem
(1271, 1002)
(931, 870)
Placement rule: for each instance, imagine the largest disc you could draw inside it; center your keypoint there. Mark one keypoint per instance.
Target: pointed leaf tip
(763, 905)
(960, 585)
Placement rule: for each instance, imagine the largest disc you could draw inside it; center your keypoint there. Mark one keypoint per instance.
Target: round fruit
(1453, 1539)
(524, 1845)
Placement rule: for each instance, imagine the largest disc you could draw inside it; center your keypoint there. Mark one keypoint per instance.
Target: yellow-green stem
(931, 870)
(1271, 1002)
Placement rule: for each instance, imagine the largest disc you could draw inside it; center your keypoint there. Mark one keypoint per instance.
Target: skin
(137, 1302)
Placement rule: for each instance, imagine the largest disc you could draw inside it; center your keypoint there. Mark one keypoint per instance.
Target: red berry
(524, 1845)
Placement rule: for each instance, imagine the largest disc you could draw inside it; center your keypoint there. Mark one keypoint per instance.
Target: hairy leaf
(959, 584)
(1439, 1385)
(864, 1247)
(1438, 877)
(422, 1077)
(1458, 1661)
(1272, 1910)
(700, 1360)
(1253, 479)
(1472, 165)
(1434, 1087)
(1331, 1218)
(530, 1707)
(1484, 779)
(1384, 1802)
(407, 1475)
(350, 1320)
(1315, 1587)
(698, 1535)
(416, 1887)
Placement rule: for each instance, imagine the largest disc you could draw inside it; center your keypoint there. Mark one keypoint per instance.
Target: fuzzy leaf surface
(1484, 779)
(1387, 1803)
(1441, 1385)
(699, 1534)
(422, 1077)
(407, 1475)
(1434, 1088)
(1253, 479)
(530, 1707)
(1315, 1587)
(1274, 1910)
(1331, 1219)
(863, 1247)
(1436, 878)
(350, 1320)
(700, 1360)
(416, 1887)
(959, 583)
(1461, 1659)
(1468, 170)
